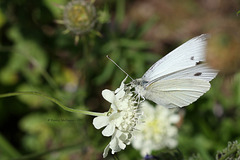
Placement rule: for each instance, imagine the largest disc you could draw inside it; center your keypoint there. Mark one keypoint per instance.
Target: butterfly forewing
(201, 71)
(185, 56)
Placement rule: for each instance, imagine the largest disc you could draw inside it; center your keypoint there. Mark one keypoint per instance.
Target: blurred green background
(36, 55)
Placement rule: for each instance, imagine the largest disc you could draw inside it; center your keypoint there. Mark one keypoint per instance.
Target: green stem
(7, 148)
(120, 10)
(39, 155)
(54, 101)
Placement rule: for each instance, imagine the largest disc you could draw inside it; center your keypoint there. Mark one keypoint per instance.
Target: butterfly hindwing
(176, 92)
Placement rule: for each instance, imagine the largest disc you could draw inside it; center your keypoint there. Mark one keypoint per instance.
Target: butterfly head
(138, 86)
(139, 82)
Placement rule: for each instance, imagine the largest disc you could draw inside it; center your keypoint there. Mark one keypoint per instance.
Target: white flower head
(157, 131)
(120, 120)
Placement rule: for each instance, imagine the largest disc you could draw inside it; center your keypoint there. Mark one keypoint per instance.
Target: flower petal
(120, 94)
(121, 145)
(158, 129)
(174, 118)
(100, 121)
(172, 143)
(105, 152)
(114, 107)
(109, 130)
(108, 95)
(114, 145)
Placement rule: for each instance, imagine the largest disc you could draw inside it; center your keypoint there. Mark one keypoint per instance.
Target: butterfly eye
(144, 82)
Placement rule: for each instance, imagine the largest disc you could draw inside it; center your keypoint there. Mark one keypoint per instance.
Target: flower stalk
(54, 101)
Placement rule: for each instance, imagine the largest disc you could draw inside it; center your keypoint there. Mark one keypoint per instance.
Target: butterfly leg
(140, 99)
(143, 99)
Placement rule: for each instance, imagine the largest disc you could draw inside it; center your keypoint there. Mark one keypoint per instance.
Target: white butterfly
(179, 78)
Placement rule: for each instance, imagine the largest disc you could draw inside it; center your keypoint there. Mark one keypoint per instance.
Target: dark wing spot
(198, 74)
(192, 58)
(199, 62)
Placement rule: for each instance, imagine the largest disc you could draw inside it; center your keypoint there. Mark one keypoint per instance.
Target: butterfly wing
(181, 77)
(200, 71)
(188, 55)
(176, 92)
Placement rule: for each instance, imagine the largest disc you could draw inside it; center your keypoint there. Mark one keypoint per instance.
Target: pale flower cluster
(121, 119)
(158, 130)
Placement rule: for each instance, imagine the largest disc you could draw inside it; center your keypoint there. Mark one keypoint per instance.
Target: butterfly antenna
(119, 67)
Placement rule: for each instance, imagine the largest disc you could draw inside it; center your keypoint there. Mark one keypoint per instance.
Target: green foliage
(195, 157)
(2, 18)
(52, 6)
(167, 155)
(24, 54)
(35, 55)
(232, 151)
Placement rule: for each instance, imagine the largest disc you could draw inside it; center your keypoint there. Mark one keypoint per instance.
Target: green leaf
(120, 11)
(173, 154)
(195, 157)
(147, 25)
(8, 76)
(104, 15)
(39, 131)
(52, 6)
(138, 44)
(2, 19)
(27, 57)
(7, 148)
(106, 74)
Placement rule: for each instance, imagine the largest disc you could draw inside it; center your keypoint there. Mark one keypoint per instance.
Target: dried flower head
(79, 16)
